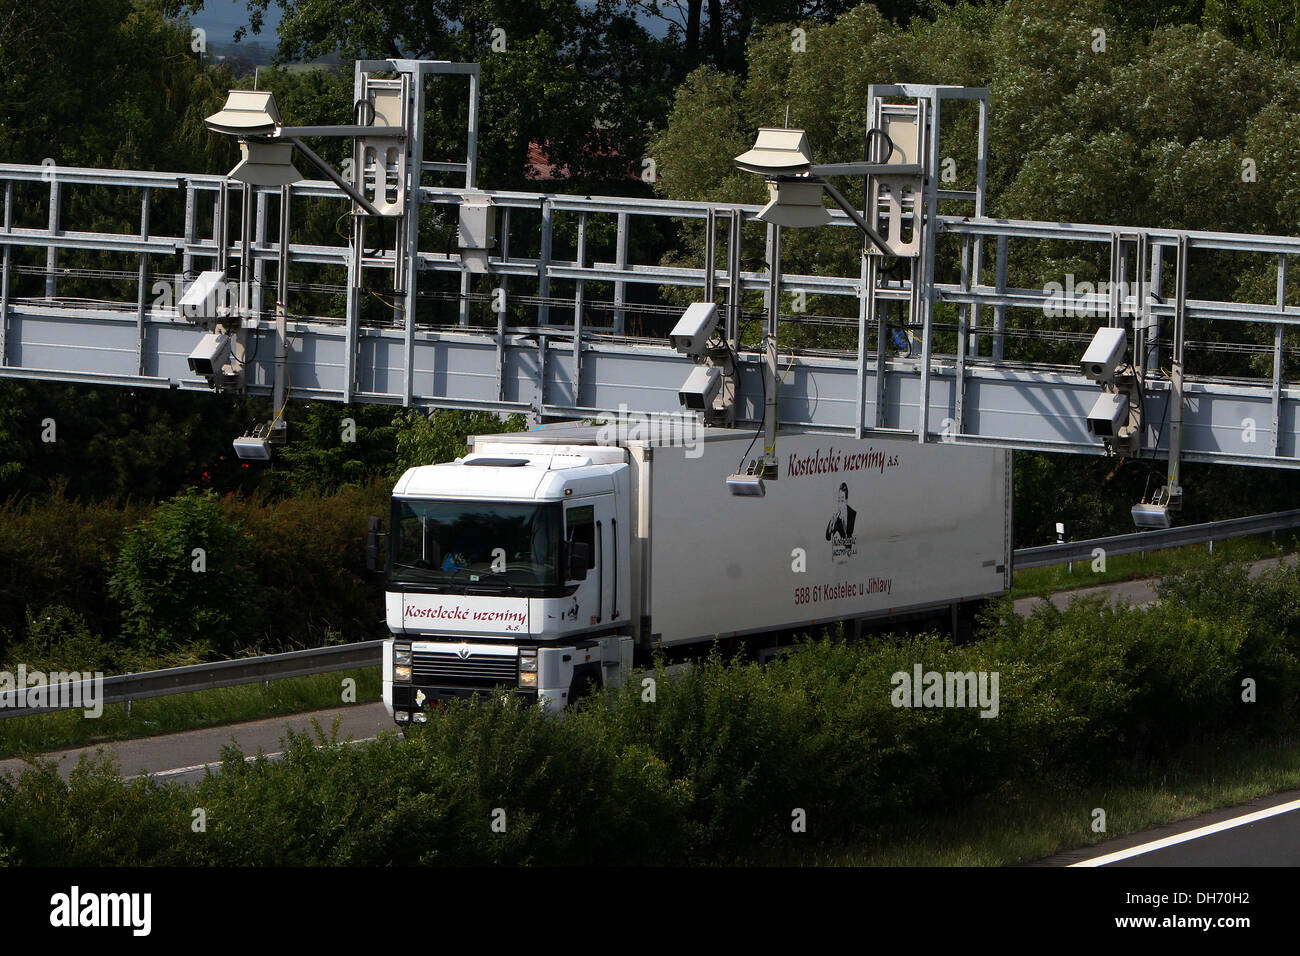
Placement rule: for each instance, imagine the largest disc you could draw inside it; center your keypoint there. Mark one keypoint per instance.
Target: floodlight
(1148, 516)
(795, 204)
(777, 152)
(265, 164)
(251, 448)
(246, 113)
(746, 486)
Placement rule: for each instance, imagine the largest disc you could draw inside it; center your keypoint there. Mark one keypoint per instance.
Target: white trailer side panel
(915, 525)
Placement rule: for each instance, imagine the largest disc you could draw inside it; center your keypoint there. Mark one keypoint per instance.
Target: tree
(583, 81)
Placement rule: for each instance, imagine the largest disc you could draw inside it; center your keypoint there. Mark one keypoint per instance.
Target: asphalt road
(1263, 832)
(186, 756)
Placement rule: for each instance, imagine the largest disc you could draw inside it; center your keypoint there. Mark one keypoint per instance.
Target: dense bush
(184, 577)
(714, 767)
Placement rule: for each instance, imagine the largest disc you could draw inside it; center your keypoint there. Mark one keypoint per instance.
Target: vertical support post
(544, 266)
(620, 288)
(142, 277)
(923, 274)
(866, 304)
(771, 405)
(280, 392)
(352, 307)
(471, 146)
(959, 385)
(880, 316)
(52, 252)
(1000, 311)
(981, 174)
(411, 220)
(1174, 489)
(259, 264)
(245, 246)
(1157, 286)
(734, 281)
(187, 257)
(501, 313)
(1277, 354)
(578, 303)
(710, 251)
(221, 225)
(4, 274)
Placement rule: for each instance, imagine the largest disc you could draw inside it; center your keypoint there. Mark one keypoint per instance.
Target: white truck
(554, 560)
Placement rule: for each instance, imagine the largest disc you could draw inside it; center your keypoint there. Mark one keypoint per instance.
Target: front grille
(449, 669)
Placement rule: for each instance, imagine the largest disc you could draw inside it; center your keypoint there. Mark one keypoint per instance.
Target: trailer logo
(840, 529)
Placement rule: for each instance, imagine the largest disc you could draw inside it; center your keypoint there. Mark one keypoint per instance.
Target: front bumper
(417, 697)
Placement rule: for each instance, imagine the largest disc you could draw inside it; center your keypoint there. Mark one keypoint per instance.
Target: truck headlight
(402, 673)
(528, 668)
(402, 656)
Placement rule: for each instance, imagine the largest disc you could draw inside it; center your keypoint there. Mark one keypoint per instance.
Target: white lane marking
(195, 768)
(1190, 835)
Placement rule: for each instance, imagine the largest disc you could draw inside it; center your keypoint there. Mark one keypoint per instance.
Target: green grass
(1027, 822)
(166, 715)
(1040, 582)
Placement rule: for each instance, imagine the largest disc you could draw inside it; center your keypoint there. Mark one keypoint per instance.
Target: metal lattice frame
(564, 365)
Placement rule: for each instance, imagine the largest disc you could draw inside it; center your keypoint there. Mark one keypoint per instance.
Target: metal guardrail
(323, 660)
(1154, 540)
(183, 680)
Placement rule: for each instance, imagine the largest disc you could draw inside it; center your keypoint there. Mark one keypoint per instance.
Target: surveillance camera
(690, 335)
(700, 388)
(1104, 355)
(1109, 414)
(210, 355)
(206, 299)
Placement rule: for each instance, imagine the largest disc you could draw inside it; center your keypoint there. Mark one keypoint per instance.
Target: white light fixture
(778, 152)
(246, 113)
(265, 164)
(1151, 516)
(746, 486)
(795, 205)
(252, 448)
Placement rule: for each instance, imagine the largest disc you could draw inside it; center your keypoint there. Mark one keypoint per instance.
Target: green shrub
(173, 594)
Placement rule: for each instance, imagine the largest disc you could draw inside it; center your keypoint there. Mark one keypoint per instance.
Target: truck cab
(509, 567)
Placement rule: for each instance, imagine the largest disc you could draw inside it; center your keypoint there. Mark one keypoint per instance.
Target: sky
(220, 18)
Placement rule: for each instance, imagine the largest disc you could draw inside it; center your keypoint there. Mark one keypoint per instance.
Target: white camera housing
(1109, 414)
(691, 334)
(1104, 355)
(701, 388)
(205, 302)
(210, 355)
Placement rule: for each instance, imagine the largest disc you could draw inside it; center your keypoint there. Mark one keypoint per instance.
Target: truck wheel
(583, 686)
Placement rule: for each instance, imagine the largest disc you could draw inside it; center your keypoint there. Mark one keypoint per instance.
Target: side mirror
(579, 555)
(376, 556)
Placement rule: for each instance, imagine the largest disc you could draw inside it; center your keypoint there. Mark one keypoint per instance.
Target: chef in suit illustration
(841, 523)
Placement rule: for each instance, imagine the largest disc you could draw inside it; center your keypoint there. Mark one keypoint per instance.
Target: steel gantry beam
(576, 351)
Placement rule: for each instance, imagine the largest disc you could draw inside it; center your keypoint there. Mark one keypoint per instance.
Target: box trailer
(553, 561)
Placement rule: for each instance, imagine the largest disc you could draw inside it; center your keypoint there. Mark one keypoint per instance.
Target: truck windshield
(481, 545)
